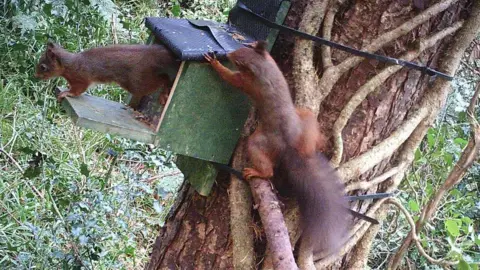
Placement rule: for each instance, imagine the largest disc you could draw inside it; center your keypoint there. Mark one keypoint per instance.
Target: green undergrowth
(72, 198)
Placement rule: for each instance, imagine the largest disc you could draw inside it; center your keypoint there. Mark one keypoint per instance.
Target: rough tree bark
(361, 104)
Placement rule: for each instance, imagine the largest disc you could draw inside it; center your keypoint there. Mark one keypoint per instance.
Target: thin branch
(364, 185)
(273, 223)
(331, 75)
(303, 68)
(416, 238)
(374, 83)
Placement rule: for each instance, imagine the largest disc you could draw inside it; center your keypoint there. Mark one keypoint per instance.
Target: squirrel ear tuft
(261, 46)
(50, 53)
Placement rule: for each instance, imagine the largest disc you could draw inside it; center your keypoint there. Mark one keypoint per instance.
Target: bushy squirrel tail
(323, 206)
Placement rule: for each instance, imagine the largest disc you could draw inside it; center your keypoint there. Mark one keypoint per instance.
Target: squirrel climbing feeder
(203, 117)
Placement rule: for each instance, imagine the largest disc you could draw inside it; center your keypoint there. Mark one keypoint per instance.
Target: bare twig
(416, 238)
(273, 223)
(374, 83)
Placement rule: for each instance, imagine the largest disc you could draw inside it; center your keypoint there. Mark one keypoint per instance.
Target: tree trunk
(196, 235)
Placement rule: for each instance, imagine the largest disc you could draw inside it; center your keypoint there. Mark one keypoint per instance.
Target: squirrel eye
(43, 67)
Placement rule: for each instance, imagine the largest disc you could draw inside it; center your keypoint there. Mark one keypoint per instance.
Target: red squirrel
(287, 140)
(139, 69)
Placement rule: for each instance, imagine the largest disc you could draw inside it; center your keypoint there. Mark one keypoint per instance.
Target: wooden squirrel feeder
(204, 116)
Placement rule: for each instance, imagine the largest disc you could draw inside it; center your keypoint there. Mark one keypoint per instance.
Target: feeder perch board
(204, 116)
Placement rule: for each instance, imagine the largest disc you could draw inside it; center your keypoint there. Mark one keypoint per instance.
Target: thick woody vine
(311, 90)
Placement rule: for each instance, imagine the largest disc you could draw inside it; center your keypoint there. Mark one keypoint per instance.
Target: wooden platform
(107, 116)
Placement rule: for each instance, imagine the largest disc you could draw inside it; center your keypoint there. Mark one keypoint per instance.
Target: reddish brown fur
(288, 138)
(139, 69)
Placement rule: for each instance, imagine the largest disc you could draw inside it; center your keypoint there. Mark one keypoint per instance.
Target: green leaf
(466, 220)
(129, 250)
(47, 8)
(413, 205)
(32, 172)
(448, 159)
(84, 170)
(430, 139)
(418, 154)
(176, 10)
(461, 142)
(452, 227)
(463, 265)
(27, 150)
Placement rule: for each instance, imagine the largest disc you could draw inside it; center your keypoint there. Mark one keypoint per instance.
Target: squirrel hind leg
(261, 157)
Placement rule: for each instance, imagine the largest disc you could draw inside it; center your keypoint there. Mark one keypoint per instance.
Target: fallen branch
(273, 224)
(467, 158)
(416, 238)
(374, 83)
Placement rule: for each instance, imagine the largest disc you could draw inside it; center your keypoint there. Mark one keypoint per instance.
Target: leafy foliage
(452, 233)
(72, 198)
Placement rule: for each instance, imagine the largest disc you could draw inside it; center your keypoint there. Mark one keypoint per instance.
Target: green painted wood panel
(205, 116)
(199, 173)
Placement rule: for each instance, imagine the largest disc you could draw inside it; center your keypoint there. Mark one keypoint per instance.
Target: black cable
(353, 51)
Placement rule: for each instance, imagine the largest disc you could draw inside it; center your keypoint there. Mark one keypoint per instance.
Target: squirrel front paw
(62, 95)
(249, 173)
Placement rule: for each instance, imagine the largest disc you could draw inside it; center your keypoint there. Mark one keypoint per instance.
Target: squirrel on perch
(139, 69)
(287, 140)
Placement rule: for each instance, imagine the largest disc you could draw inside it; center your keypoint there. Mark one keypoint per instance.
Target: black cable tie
(351, 50)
